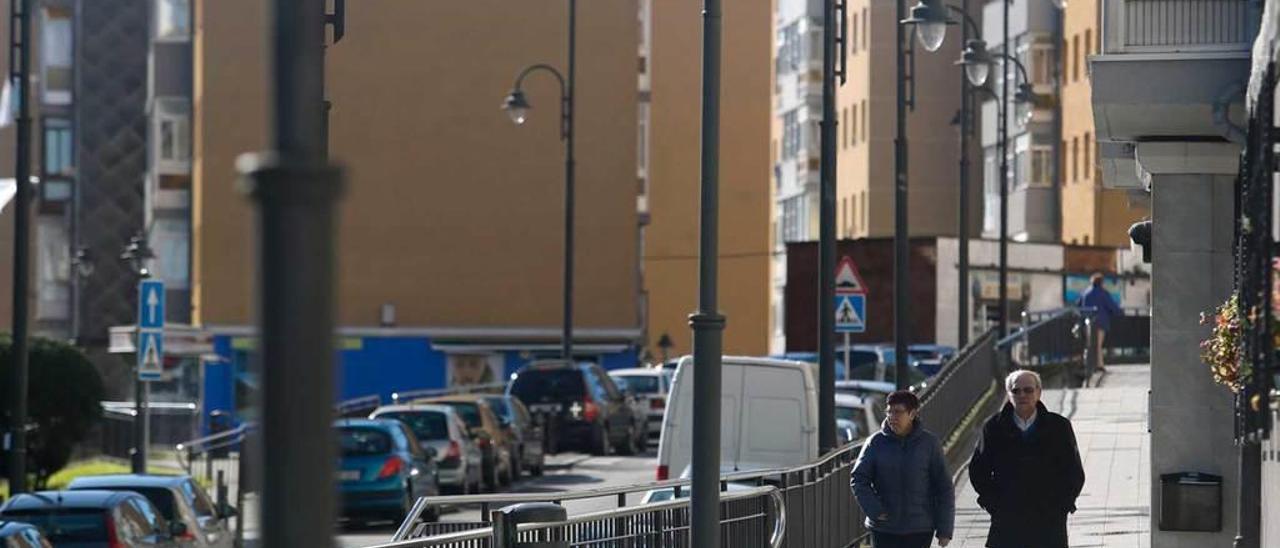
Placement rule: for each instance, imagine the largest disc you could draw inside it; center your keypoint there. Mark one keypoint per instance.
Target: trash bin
(507, 519)
(1190, 501)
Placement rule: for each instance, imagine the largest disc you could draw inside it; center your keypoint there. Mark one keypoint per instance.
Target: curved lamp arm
(968, 21)
(565, 100)
(1021, 69)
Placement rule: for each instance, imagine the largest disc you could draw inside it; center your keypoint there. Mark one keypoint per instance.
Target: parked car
(459, 462)
(929, 358)
(860, 412)
(528, 453)
(580, 404)
(16, 534)
(495, 443)
(94, 519)
(179, 500)
(651, 387)
(768, 414)
(383, 469)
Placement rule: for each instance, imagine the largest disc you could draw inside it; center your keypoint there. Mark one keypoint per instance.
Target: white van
(768, 416)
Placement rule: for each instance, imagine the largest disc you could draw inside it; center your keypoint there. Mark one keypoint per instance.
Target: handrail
(356, 403)
(1052, 315)
(208, 440)
(397, 397)
(775, 539)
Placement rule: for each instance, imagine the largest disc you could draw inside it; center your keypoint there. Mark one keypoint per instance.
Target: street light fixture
(930, 19)
(517, 107)
(976, 62)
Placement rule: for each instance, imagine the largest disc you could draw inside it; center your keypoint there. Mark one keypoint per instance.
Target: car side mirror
(431, 452)
(177, 528)
(226, 510)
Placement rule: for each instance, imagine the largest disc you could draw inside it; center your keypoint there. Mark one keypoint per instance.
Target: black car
(578, 405)
(16, 534)
(94, 519)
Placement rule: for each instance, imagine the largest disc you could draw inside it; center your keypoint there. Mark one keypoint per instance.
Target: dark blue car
(383, 469)
(93, 519)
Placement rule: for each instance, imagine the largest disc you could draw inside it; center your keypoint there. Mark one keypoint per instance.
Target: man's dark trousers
(914, 540)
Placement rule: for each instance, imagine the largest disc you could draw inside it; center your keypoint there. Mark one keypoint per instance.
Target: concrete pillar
(1192, 188)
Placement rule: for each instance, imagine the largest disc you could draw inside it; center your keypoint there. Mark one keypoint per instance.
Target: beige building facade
(451, 215)
(671, 237)
(1091, 214)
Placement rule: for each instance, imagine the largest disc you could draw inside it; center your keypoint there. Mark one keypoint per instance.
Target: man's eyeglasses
(1028, 390)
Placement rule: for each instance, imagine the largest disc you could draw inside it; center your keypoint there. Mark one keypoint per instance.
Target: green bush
(63, 402)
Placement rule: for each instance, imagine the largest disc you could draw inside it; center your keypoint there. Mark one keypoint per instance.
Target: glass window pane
(173, 19)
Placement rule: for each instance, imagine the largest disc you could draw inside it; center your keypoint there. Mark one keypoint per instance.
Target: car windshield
(426, 425)
(921, 354)
(500, 408)
(642, 384)
(469, 412)
(64, 525)
(198, 499)
(855, 415)
(359, 441)
(534, 386)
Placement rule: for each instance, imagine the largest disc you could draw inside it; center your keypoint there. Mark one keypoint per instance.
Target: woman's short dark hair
(905, 399)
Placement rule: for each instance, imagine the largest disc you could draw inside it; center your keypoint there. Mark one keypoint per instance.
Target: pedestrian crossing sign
(150, 355)
(851, 311)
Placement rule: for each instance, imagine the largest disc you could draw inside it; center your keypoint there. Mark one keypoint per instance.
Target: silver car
(651, 387)
(458, 459)
(178, 499)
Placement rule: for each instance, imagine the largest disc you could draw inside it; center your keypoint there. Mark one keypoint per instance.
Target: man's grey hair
(1013, 378)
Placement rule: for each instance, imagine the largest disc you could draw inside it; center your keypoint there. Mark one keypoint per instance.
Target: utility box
(1190, 501)
(507, 519)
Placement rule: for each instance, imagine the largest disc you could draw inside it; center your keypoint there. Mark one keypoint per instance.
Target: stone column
(1192, 187)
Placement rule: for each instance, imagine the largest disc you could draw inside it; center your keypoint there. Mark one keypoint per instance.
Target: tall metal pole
(708, 324)
(827, 237)
(901, 289)
(1004, 176)
(962, 324)
(138, 462)
(295, 189)
(567, 335)
(20, 57)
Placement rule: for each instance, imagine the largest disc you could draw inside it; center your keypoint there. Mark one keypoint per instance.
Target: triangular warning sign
(848, 280)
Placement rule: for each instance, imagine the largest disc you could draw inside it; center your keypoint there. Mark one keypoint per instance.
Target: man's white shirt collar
(1025, 424)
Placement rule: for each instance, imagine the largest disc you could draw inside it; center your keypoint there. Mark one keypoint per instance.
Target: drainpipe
(1222, 113)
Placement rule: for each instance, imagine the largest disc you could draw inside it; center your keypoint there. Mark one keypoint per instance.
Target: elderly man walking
(1026, 470)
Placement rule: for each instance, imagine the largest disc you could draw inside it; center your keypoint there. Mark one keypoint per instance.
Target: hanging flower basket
(1221, 351)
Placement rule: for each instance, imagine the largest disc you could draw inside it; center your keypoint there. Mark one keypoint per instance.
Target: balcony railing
(1179, 26)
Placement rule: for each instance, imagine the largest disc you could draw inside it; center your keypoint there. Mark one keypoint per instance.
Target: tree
(64, 402)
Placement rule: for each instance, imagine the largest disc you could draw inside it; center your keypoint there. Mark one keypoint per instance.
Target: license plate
(349, 475)
(545, 408)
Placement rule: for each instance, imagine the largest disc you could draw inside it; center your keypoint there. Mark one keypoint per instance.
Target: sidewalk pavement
(1110, 422)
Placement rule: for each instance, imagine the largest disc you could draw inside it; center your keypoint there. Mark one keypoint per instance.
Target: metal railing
(405, 396)
(815, 497)
(218, 460)
(755, 517)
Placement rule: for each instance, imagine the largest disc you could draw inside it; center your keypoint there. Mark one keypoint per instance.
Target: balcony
(1170, 70)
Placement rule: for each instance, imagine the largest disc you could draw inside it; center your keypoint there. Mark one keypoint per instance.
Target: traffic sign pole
(150, 352)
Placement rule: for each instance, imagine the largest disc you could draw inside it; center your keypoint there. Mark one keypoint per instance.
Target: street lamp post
(517, 106)
(15, 441)
(137, 253)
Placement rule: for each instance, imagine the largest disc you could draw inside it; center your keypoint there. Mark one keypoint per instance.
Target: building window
(865, 215)
(173, 135)
(853, 40)
(844, 217)
(1075, 159)
(864, 28)
(790, 48)
(865, 115)
(55, 56)
(58, 159)
(794, 219)
(173, 19)
(1088, 146)
(790, 134)
(1041, 68)
(1075, 58)
(854, 125)
(170, 239)
(1088, 49)
(844, 135)
(1041, 165)
(642, 141)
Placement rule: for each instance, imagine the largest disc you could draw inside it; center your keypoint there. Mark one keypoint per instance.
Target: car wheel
(628, 445)
(491, 480)
(516, 471)
(599, 441)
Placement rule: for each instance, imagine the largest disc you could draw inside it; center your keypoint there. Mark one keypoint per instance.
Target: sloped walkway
(1110, 422)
